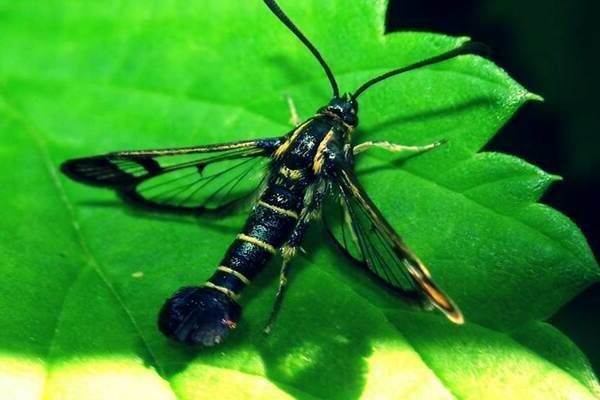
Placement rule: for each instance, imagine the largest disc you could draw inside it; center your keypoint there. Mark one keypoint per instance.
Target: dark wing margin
(191, 180)
(363, 234)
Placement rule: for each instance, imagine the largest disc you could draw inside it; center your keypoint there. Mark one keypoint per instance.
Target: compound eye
(351, 119)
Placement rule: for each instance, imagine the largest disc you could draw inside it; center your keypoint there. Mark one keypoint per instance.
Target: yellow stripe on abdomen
(251, 239)
(279, 210)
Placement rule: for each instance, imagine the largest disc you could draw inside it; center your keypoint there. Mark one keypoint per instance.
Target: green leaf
(83, 277)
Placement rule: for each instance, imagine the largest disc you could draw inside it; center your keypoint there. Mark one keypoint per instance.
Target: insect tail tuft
(198, 316)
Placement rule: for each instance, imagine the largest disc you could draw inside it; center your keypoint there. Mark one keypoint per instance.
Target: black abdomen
(204, 315)
(267, 228)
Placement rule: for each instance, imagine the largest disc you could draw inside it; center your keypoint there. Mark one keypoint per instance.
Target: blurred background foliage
(551, 47)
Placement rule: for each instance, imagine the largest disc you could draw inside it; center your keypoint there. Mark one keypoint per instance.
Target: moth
(296, 175)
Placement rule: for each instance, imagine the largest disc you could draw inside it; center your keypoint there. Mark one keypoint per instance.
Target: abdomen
(267, 228)
(204, 315)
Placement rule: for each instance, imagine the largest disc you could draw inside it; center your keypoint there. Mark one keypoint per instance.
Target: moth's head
(344, 107)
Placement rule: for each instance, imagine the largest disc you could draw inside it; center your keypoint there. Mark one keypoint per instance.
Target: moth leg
(288, 251)
(291, 247)
(295, 119)
(288, 254)
(396, 148)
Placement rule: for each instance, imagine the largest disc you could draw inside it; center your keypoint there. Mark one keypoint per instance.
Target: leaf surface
(84, 276)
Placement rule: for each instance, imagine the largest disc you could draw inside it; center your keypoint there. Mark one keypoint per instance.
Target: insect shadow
(216, 222)
(301, 354)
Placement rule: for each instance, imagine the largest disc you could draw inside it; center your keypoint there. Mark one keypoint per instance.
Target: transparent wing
(188, 180)
(361, 231)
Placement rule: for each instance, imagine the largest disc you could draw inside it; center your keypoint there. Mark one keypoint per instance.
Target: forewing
(363, 233)
(190, 180)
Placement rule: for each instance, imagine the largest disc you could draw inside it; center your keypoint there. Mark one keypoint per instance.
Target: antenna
(287, 22)
(466, 48)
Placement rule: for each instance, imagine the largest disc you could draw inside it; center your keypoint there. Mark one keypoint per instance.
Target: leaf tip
(533, 97)
(555, 178)
(463, 39)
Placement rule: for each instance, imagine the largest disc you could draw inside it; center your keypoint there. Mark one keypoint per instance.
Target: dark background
(550, 47)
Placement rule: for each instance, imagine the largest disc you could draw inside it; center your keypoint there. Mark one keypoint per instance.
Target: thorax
(300, 158)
